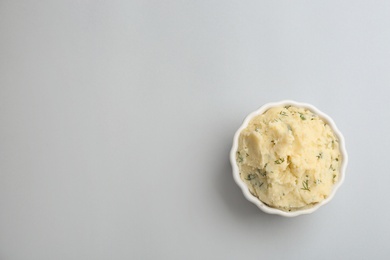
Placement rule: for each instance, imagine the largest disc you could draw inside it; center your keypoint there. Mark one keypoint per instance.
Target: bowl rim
(243, 186)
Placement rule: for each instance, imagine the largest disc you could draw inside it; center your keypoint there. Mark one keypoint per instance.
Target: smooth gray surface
(116, 120)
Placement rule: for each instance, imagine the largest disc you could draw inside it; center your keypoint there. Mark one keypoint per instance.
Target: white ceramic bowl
(244, 187)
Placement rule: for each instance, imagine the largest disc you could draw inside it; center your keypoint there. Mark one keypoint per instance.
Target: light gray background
(116, 120)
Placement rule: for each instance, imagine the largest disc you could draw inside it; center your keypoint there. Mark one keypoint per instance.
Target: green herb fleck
(279, 161)
(302, 116)
(305, 185)
(331, 168)
(319, 156)
(250, 177)
(273, 142)
(337, 159)
(260, 184)
(334, 176)
(287, 107)
(283, 113)
(239, 157)
(262, 172)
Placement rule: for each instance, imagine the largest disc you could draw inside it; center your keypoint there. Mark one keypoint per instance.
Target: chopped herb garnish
(250, 177)
(239, 157)
(283, 113)
(337, 159)
(331, 168)
(334, 176)
(262, 172)
(273, 142)
(302, 116)
(279, 161)
(287, 107)
(319, 156)
(305, 185)
(260, 184)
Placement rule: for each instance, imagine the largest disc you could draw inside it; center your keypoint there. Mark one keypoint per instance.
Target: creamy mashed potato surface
(289, 158)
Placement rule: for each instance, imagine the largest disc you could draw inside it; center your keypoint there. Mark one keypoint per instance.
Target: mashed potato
(289, 158)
